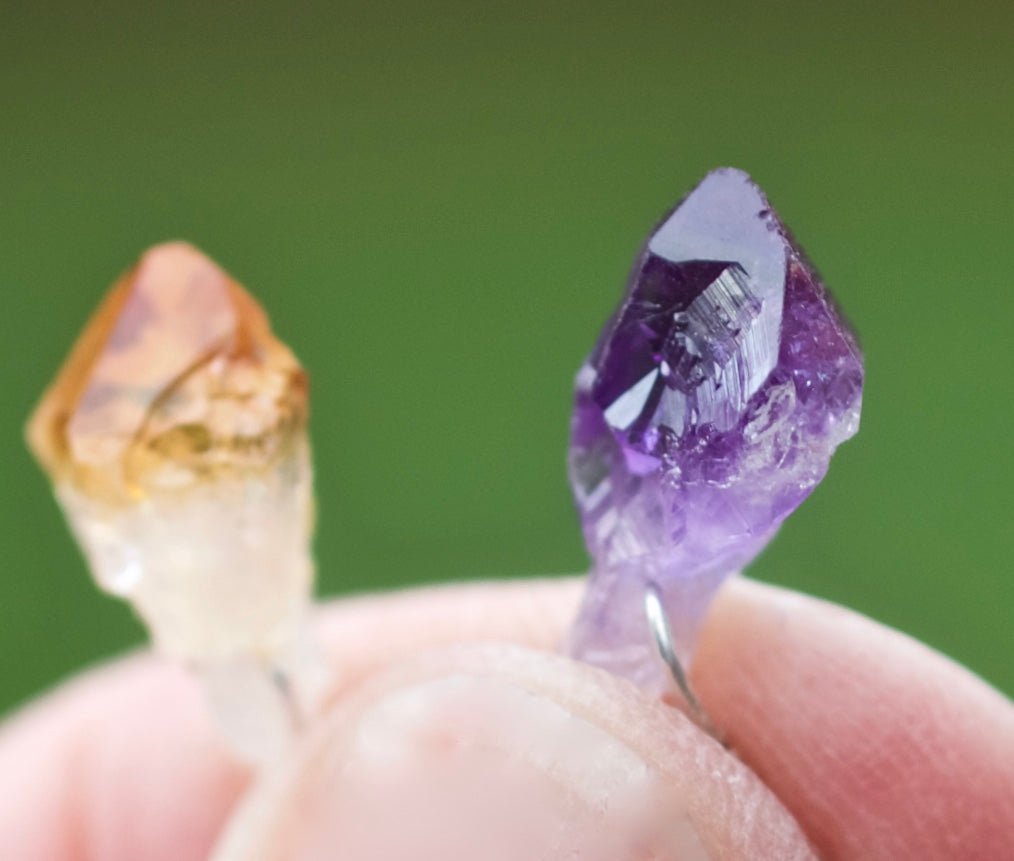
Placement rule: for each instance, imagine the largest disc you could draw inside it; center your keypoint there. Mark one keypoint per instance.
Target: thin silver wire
(658, 623)
(283, 684)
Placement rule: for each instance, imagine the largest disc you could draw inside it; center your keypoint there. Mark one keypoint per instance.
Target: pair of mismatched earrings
(175, 439)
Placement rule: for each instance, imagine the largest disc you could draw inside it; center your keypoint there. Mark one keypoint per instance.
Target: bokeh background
(438, 203)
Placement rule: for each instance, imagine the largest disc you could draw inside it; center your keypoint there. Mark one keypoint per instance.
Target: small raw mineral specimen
(706, 413)
(175, 438)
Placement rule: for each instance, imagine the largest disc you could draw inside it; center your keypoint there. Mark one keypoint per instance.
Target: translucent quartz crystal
(175, 437)
(707, 412)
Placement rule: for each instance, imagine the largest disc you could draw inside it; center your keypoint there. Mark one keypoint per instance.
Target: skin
(453, 731)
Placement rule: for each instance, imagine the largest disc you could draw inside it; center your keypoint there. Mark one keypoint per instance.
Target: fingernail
(465, 767)
(502, 753)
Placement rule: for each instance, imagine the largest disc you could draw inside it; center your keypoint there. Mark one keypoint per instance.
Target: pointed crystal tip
(708, 410)
(712, 402)
(177, 378)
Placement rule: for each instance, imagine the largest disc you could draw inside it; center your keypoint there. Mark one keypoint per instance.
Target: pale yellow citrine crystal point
(176, 378)
(175, 437)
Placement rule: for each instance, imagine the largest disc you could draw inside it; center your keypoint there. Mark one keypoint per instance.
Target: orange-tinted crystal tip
(176, 378)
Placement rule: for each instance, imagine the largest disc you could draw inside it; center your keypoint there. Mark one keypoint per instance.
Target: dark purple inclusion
(707, 411)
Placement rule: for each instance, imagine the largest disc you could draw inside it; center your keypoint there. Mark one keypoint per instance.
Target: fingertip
(502, 752)
(880, 746)
(122, 763)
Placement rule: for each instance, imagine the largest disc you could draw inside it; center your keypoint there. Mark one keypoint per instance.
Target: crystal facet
(706, 413)
(176, 378)
(175, 437)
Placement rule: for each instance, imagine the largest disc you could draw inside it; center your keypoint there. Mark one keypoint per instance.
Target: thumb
(499, 752)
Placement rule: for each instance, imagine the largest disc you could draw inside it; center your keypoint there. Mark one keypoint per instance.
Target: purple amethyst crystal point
(706, 413)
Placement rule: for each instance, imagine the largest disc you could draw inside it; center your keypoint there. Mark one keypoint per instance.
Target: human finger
(124, 761)
(880, 746)
(502, 753)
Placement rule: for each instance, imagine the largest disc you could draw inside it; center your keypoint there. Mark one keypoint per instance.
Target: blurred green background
(438, 204)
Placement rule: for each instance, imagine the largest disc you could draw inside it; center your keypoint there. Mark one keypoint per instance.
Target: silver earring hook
(661, 633)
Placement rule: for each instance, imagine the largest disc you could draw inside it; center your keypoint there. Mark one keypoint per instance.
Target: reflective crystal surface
(175, 437)
(176, 379)
(707, 411)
